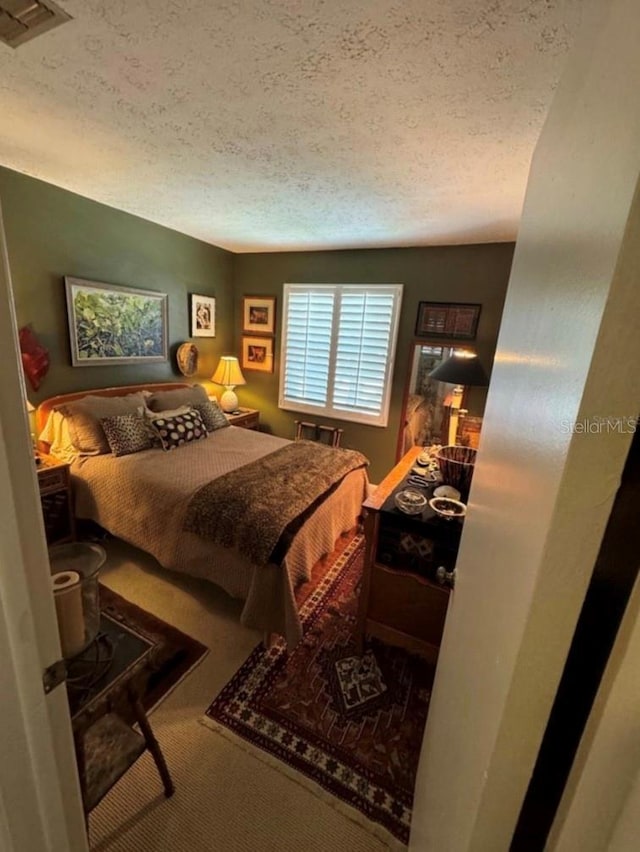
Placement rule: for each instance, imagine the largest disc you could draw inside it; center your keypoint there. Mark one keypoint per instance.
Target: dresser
(404, 597)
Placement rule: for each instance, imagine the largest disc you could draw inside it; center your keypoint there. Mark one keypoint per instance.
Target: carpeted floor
(226, 799)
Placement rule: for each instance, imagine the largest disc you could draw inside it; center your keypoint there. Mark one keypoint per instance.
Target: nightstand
(54, 483)
(246, 418)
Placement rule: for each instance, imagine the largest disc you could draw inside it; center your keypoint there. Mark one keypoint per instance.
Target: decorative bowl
(447, 491)
(410, 501)
(457, 466)
(448, 508)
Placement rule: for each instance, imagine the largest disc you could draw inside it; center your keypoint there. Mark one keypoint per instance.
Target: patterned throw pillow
(149, 416)
(212, 415)
(84, 416)
(126, 434)
(179, 429)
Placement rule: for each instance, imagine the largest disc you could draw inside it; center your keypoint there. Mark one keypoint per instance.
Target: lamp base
(229, 401)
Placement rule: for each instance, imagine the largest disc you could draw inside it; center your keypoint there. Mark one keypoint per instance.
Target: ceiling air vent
(22, 20)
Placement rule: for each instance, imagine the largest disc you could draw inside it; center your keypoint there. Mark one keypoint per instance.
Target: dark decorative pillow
(161, 400)
(126, 434)
(149, 416)
(179, 429)
(212, 415)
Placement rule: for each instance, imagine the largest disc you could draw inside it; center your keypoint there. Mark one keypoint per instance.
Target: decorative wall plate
(187, 358)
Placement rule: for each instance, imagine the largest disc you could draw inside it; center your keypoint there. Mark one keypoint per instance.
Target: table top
(428, 522)
(126, 652)
(392, 480)
(43, 460)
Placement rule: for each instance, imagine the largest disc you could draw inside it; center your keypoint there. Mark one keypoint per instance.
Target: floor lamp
(461, 369)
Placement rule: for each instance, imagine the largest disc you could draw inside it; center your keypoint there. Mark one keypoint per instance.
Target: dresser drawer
(250, 421)
(407, 603)
(52, 479)
(244, 418)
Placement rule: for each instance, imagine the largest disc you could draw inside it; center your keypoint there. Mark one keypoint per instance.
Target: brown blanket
(257, 507)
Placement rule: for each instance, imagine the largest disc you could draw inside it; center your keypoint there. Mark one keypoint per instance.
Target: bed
(143, 499)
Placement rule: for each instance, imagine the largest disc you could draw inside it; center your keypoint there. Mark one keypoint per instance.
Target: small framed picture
(257, 354)
(203, 316)
(446, 319)
(259, 314)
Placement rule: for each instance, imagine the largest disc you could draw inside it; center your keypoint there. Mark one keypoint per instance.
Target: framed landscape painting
(115, 325)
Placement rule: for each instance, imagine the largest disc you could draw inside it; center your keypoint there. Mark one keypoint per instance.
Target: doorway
(614, 575)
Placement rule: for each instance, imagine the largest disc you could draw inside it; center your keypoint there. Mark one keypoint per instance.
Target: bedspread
(143, 499)
(259, 507)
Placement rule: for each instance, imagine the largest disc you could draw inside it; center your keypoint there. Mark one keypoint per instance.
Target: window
(338, 348)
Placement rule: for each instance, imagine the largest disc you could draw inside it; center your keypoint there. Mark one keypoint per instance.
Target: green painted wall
(477, 273)
(52, 233)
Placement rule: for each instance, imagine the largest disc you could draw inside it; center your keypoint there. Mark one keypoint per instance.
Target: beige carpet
(226, 800)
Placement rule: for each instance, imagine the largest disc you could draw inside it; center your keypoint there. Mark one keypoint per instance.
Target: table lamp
(228, 374)
(461, 369)
(31, 414)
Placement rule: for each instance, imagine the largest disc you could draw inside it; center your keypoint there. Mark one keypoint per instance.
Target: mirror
(425, 417)
(424, 420)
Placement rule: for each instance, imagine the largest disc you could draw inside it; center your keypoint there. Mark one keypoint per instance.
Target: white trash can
(74, 579)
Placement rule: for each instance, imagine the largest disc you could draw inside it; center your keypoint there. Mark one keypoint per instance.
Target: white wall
(541, 496)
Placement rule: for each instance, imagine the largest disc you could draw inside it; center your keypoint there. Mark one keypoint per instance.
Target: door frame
(40, 802)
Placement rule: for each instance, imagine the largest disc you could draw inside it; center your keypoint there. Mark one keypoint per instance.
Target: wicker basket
(456, 466)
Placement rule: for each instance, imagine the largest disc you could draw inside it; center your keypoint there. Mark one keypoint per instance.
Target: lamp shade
(228, 372)
(462, 368)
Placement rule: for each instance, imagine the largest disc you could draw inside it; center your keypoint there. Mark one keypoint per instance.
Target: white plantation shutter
(338, 348)
(307, 347)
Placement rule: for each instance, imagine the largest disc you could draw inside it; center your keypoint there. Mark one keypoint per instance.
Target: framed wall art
(109, 324)
(447, 320)
(257, 354)
(203, 316)
(259, 314)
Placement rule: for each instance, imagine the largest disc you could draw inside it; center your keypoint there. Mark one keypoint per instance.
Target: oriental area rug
(343, 724)
(127, 632)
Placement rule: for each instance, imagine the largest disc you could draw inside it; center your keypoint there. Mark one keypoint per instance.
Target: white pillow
(170, 412)
(56, 434)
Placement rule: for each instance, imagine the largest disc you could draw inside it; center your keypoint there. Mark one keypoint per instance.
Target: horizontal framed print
(203, 316)
(109, 324)
(447, 319)
(259, 314)
(257, 354)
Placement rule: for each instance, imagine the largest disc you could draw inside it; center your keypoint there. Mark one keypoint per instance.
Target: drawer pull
(446, 578)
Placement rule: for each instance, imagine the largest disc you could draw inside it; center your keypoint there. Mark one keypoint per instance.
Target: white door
(40, 806)
(564, 395)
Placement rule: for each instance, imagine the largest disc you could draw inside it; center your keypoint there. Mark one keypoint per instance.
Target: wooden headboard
(44, 409)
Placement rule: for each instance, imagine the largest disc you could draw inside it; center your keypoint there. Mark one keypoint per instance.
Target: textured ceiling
(284, 124)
